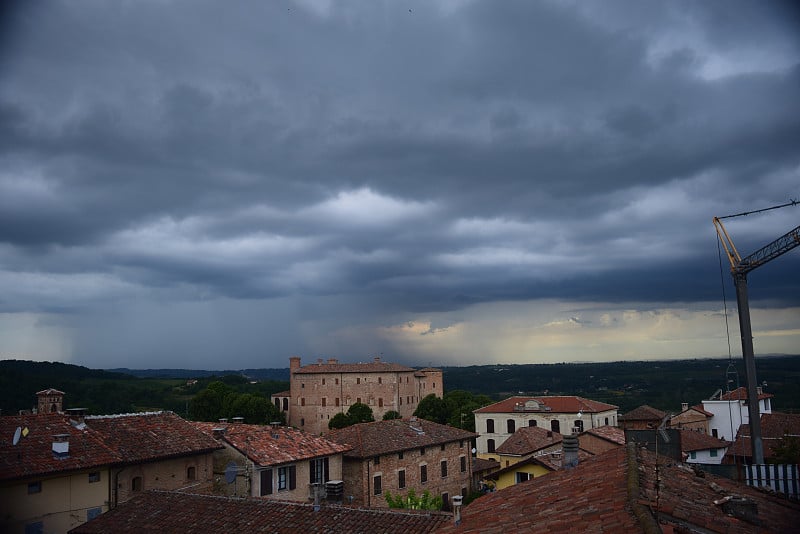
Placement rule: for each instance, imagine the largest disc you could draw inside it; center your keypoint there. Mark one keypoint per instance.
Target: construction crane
(740, 267)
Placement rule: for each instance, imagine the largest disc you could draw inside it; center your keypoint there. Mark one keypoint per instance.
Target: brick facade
(321, 390)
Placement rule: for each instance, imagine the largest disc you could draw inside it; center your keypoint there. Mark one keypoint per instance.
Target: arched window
(490, 426)
(285, 404)
(579, 425)
(510, 426)
(278, 403)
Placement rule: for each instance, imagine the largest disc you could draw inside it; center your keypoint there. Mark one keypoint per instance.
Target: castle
(320, 390)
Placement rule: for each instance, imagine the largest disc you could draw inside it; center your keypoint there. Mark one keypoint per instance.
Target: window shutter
(266, 482)
(327, 474)
(292, 477)
(313, 471)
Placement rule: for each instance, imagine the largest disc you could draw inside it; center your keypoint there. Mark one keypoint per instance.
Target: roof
(267, 445)
(371, 367)
(552, 461)
(33, 455)
(613, 434)
(286, 393)
(150, 436)
(643, 413)
(50, 391)
(158, 511)
(528, 440)
(479, 465)
(615, 492)
(700, 441)
(740, 393)
(546, 404)
(773, 427)
(395, 435)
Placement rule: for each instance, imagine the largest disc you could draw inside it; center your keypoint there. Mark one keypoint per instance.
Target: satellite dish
(230, 472)
(17, 434)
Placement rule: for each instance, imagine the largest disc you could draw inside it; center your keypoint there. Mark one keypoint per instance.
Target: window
(555, 426)
(423, 473)
(278, 403)
(283, 479)
(442, 447)
(35, 487)
(532, 422)
(606, 420)
(579, 425)
(337, 401)
(285, 404)
(463, 460)
(461, 444)
(421, 451)
(266, 482)
(400, 455)
(191, 472)
(444, 468)
(94, 476)
(713, 453)
(401, 478)
(445, 502)
(358, 380)
(401, 401)
(522, 477)
(510, 426)
(136, 484)
(376, 460)
(337, 381)
(92, 513)
(318, 471)
(358, 400)
(380, 402)
(714, 432)
(377, 489)
(302, 386)
(323, 381)
(693, 455)
(302, 422)
(324, 401)
(34, 528)
(489, 445)
(380, 380)
(490, 426)
(302, 401)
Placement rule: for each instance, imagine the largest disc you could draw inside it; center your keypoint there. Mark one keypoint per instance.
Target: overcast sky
(224, 185)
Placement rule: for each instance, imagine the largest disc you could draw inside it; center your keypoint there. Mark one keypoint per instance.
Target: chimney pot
(238, 420)
(684, 406)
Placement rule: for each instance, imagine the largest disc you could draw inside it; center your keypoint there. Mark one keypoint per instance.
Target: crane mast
(740, 267)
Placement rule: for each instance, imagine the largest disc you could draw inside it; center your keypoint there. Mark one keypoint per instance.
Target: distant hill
(627, 384)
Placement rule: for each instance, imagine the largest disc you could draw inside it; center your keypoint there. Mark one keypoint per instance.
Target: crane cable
(792, 202)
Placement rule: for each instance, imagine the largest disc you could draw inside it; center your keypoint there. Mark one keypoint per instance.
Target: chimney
(457, 500)
(759, 390)
(570, 446)
(684, 406)
(223, 420)
(76, 417)
(331, 361)
(319, 361)
(294, 364)
(238, 420)
(61, 446)
(377, 359)
(218, 432)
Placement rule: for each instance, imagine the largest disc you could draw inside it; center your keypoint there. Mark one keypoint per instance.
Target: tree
(411, 502)
(392, 414)
(357, 413)
(360, 413)
(433, 409)
(787, 450)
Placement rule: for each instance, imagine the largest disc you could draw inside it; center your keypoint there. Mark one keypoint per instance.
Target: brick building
(320, 390)
(401, 454)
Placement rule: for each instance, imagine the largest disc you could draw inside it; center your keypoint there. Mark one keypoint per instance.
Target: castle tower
(50, 401)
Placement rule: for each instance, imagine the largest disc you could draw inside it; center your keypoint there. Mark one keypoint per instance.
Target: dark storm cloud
(460, 153)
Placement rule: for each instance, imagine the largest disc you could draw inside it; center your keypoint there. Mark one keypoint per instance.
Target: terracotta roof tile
(773, 428)
(149, 436)
(567, 404)
(528, 440)
(33, 454)
(50, 391)
(267, 445)
(643, 413)
(740, 393)
(593, 497)
(613, 434)
(179, 513)
(370, 367)
(383, 437)
(698, 441)
(287, 393)
(479, 465)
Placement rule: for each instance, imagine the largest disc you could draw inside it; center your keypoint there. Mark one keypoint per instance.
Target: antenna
(17, 434)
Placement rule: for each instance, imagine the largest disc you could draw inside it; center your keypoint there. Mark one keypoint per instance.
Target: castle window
(358, 380)
(337, 381)
(380, 380)
(323, 381)
(302, 401)
(324, 401)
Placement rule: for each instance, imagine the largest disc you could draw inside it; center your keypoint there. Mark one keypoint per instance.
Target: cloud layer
(187, 185)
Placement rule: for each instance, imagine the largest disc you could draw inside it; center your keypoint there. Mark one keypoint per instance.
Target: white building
(730, 411)
(497, 422)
